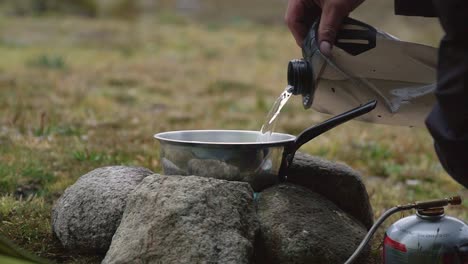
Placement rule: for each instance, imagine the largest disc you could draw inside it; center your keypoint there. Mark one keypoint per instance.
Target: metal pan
(235, 155)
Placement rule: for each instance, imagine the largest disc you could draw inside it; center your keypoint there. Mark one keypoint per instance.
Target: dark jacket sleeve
(448, 121)
(415, 8)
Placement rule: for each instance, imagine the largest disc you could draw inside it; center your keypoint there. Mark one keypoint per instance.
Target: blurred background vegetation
(86, 83)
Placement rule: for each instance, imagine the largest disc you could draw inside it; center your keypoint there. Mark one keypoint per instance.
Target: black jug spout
(301, 78)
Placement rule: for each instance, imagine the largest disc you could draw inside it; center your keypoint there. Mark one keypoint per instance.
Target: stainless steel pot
(236, 155)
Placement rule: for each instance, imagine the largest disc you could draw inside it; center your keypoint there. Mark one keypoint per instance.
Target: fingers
(299, 17)
(333, 13)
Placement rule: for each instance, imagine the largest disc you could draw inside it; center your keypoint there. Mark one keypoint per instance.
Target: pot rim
(163, 137)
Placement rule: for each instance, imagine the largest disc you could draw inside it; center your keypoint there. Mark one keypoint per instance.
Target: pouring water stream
(270, 122)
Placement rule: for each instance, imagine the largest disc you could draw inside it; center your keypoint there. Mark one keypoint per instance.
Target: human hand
(300, 15)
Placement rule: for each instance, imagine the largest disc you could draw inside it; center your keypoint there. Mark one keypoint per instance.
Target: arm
(448, 121)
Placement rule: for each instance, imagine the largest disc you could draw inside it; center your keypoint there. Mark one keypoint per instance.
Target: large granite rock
(186, 219)
(86, 216)
(300, 226)
(337, 182)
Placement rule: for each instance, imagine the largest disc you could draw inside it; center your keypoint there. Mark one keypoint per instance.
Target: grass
(77, 94)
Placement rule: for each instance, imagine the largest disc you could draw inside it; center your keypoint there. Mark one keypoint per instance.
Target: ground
(77, 94)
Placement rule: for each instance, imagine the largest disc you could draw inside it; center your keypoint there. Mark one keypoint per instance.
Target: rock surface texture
(186, 219)
(86, 216)
(337, 182)
(300, 226)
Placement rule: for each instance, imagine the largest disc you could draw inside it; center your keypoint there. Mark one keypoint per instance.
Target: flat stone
(186, 219)
(337, 182)
(300, 226)
(86, 216)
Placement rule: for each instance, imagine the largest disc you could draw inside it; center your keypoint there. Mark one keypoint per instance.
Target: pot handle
(326, 125)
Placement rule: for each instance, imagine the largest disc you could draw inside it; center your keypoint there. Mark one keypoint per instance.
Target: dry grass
(78, 94)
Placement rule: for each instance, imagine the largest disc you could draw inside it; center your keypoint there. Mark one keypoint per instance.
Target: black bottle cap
(301, 78)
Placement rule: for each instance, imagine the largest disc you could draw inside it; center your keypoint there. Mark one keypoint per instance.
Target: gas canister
(427, 237)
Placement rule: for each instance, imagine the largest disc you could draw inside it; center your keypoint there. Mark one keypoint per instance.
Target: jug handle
(354, 37)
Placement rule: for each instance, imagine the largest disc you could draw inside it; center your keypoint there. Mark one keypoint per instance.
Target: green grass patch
(27, 221)
(170, 18)
(91, 156)
(223, 86)
(43, 7)
(24, 179)
(100, 158)
(60, 130)
(54, 62)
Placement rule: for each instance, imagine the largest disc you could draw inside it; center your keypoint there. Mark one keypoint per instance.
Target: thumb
(330, 23)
